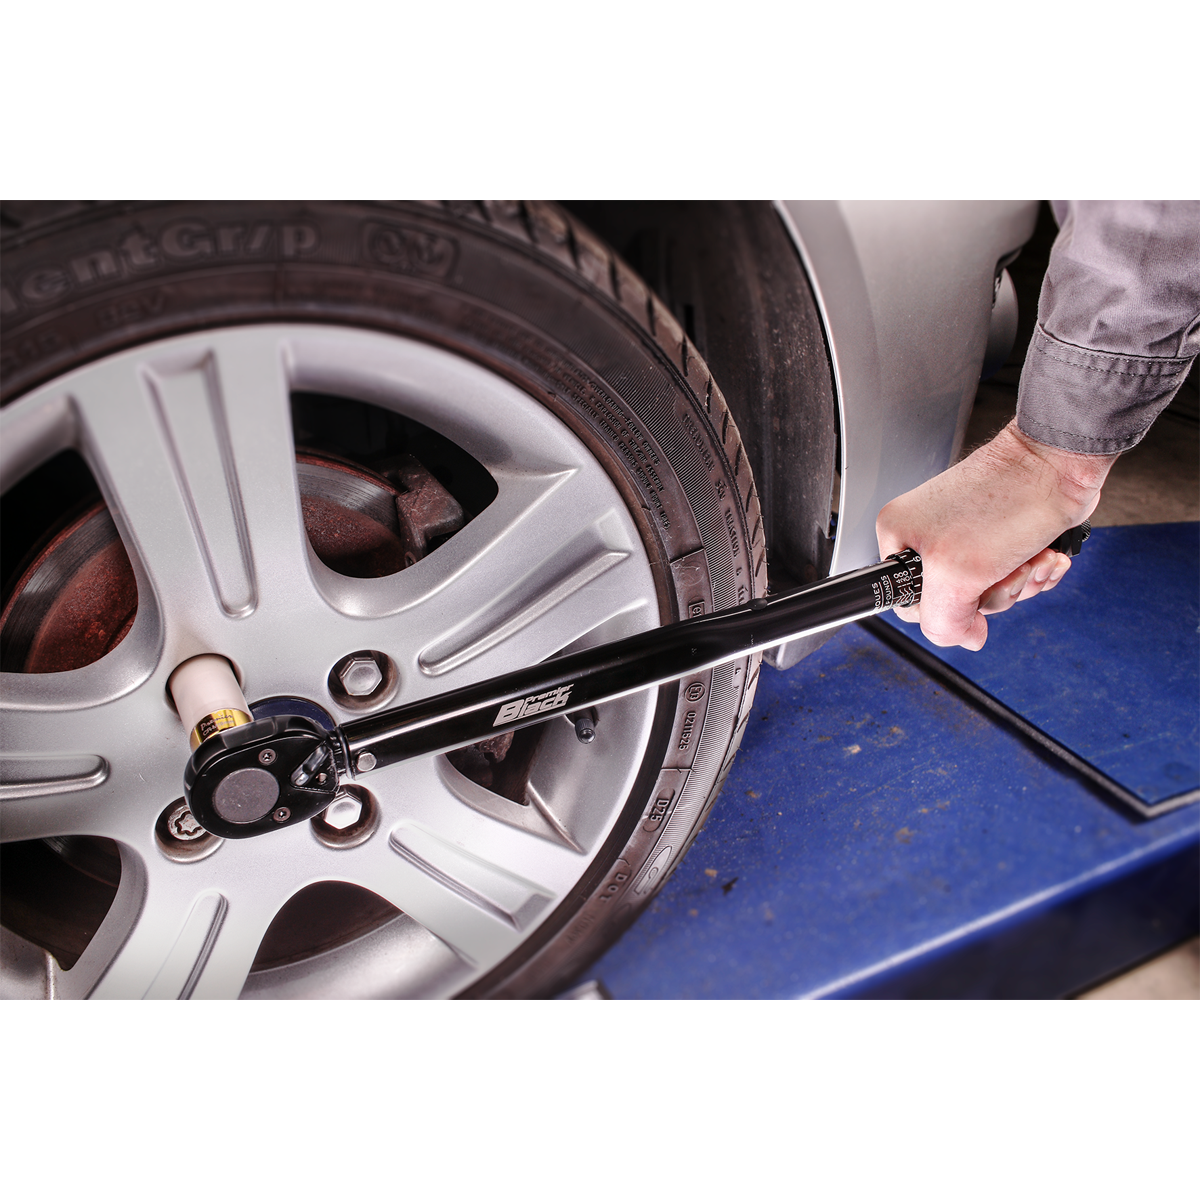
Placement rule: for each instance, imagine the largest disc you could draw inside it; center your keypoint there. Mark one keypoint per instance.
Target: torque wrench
(249, 778)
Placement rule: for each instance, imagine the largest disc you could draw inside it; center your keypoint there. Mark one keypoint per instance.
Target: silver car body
(906, 291)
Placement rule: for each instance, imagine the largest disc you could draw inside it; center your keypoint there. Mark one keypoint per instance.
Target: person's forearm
(1075, 479)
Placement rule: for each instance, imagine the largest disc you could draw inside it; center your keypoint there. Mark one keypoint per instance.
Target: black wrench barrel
(589, 677)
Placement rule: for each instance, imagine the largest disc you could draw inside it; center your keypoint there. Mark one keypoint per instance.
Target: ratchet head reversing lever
(273, 772)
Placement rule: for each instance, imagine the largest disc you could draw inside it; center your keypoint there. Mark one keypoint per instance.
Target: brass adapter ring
(214, 722)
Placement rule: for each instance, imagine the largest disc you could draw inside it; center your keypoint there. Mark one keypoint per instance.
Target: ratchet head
(263, 776)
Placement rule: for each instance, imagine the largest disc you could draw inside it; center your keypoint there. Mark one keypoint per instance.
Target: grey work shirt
(1118, 323)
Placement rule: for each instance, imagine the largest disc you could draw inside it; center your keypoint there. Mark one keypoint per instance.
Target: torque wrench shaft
(589, 677)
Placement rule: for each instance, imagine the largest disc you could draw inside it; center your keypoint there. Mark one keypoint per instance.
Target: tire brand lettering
(45, 285)
(297, 240)
(139, 250)
(100, 264)
(260, 237)
(187, 239)
(136, 251)
(230, 238)
(543, 702)
(412, 251)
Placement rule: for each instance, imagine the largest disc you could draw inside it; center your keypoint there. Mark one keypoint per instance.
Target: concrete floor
(1158, 480)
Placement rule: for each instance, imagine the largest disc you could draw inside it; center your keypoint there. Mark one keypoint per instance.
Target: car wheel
(367, 453)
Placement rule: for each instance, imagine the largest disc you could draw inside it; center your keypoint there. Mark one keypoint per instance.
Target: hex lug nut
(343, 812)
(360, 675)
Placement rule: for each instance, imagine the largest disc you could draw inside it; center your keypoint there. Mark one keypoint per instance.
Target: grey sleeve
(1118, 323)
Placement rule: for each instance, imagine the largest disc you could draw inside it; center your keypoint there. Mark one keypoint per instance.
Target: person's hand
(982, 528)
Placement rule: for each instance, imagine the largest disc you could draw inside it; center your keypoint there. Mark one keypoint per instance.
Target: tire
(571, 357)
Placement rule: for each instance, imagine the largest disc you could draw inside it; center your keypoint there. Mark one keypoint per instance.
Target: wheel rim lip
(356, 364)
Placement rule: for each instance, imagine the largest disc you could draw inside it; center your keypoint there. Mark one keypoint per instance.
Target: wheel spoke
(126, 951)
(423, 792)
(242, 925)
(472, 917)
(535, 572)
(473, 881)
(172, 934)
(192, 447)
(71, 807)
(101, 770)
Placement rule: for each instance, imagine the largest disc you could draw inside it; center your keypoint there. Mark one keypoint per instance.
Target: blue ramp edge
(1108, 663)
(879, 836)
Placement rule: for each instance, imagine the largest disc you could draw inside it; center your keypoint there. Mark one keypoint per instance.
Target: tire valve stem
(585, 728)
(207, 697)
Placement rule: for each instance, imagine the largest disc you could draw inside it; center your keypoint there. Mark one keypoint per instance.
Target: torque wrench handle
(1071, 542)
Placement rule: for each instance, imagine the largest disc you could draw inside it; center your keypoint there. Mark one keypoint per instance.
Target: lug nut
(181, 837)
(343, 812)
(360, 675)
(182, 825)
(349, 821)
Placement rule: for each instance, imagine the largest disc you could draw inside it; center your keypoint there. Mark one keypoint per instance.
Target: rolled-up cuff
(1090, 402)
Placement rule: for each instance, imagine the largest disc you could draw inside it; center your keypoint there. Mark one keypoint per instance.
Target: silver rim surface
(190, 442)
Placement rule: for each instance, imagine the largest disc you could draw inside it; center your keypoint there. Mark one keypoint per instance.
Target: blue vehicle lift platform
(883, 835)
